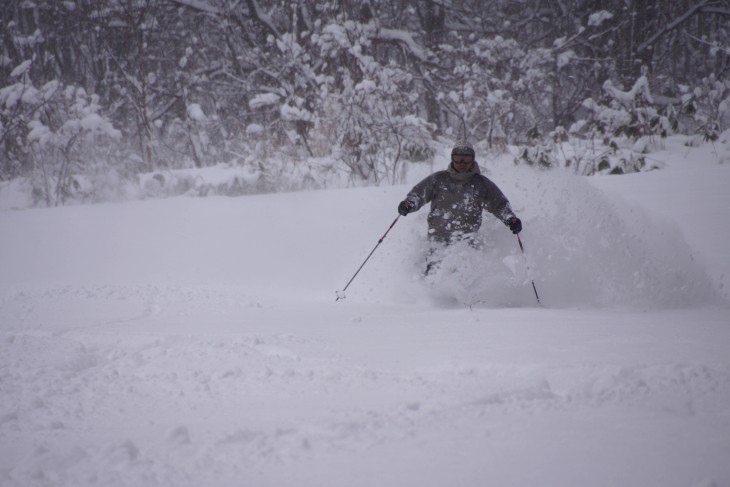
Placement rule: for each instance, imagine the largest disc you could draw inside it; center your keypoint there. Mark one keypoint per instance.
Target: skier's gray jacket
(457, 201)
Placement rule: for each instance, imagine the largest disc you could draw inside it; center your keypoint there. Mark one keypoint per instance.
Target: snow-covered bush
(632, 114)
(59, 132)
(367, 117)
(613, 136)
(588, 156)
(707, 107)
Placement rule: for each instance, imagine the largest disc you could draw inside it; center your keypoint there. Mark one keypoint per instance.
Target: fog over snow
(197, 341)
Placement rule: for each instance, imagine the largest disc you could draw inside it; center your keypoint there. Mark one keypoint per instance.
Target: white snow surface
(197, 341)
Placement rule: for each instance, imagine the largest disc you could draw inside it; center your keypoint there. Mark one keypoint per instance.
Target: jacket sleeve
(497, 203)
(422, 193)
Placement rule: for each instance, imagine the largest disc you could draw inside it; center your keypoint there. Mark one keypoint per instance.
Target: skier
(457, 196)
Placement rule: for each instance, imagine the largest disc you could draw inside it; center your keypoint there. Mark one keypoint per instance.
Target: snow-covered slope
(194, 342)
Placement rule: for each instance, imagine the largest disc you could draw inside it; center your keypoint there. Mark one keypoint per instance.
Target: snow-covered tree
(193, 83)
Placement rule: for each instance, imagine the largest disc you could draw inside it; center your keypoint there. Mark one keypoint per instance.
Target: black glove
(515, 225)
(405, 207)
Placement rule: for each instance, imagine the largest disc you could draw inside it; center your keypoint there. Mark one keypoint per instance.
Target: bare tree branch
(673, 25)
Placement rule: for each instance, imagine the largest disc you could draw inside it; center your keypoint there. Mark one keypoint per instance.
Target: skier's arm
(497, 203)
(422, 193)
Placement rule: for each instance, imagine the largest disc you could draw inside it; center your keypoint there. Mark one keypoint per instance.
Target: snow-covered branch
(199, 5)
(405, 38)
(259, 16)
(628, 98)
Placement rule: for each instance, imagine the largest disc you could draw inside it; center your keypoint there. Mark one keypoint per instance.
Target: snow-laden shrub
(57, 131)
(615, 155)
(706, 107)
(366, 119)
(613, 136)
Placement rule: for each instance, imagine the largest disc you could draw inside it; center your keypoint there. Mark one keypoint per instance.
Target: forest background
(110, 99)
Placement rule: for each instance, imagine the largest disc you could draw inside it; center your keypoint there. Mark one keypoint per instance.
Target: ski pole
(341, 294)
(528, 267)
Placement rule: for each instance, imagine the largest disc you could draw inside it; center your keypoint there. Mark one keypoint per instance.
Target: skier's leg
(434, 255)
